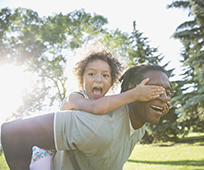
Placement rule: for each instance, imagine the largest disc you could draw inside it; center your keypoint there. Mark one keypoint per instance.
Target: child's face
(97, 79)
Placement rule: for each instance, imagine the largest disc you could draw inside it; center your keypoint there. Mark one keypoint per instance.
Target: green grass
(3, 164)
(164, 156)
(186, 157)
(179, 156)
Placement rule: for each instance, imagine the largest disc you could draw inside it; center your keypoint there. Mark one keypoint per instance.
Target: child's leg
(42, 164)
(39, 154)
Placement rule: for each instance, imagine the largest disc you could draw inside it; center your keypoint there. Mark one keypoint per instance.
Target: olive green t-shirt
(93, 142)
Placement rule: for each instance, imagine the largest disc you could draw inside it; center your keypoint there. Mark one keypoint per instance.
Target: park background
(38, 37)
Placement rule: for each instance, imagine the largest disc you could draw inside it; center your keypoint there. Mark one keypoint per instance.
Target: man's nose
(164, 97)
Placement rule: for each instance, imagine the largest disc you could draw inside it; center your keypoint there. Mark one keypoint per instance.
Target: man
(84, 140)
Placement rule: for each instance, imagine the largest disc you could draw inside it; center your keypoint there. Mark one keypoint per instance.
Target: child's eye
(91, 74)
(105, 75)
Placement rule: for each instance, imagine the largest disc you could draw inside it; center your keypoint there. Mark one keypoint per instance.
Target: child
(97, 73)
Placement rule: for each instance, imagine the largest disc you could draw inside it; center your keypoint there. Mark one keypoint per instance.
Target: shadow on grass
(183, 162)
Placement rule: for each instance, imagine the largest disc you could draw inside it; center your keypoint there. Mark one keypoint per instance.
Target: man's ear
(130, 86)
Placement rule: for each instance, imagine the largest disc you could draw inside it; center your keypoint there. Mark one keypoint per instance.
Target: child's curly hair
(103, 55)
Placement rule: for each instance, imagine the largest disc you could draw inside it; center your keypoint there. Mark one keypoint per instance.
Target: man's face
(152, 110)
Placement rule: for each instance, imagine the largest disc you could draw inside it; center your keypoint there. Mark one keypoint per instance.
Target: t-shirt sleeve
(65, 130)
(80, 130)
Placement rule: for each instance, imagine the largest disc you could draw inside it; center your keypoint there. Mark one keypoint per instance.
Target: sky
(152, 18)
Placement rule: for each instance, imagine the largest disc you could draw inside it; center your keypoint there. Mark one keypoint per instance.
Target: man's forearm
(19, 136)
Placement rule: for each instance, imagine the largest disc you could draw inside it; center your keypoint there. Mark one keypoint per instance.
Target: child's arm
(107, 104)
(67, 105)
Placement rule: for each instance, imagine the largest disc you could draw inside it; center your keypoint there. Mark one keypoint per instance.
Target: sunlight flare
(13, 81)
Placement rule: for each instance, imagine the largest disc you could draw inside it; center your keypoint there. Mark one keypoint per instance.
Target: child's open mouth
(96, 92)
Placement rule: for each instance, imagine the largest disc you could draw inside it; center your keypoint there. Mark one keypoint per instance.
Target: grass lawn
(3, 165)
(187, 155)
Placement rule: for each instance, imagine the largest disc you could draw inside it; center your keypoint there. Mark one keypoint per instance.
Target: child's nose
(98, 78)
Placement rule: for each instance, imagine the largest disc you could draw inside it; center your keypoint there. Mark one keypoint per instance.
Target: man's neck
(134, 119)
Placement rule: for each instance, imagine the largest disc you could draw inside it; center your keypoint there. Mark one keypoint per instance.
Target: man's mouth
(157, 108)
(97, 91)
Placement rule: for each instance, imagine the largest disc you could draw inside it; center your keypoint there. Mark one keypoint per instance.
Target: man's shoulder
(118, 113)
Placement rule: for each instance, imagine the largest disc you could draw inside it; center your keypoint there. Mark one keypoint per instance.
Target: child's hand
(166, 109)
(148, 92)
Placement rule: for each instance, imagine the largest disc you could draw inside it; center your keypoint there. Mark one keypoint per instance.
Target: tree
(20, 43)
(139, 52)
(191, 34)
(41, 45)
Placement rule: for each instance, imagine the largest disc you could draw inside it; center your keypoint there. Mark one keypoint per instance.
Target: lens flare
(174, 84)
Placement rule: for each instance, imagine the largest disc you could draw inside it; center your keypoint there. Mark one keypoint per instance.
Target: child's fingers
(153, 88)
(154, 96)
(168, 104)
(157, 88)
(166, 109)
(156, 93)
(145, 81)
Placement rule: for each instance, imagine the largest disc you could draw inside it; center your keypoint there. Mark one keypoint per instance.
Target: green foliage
(190, 101)
(140, 51)
(41, 46)
(117, 41)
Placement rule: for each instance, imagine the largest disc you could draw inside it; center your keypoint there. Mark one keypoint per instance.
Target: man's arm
(19, 136)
